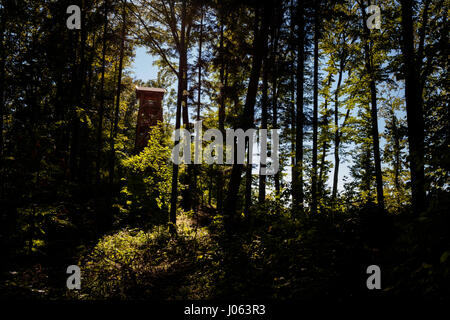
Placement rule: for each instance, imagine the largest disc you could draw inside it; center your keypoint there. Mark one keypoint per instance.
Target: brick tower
(150, 112)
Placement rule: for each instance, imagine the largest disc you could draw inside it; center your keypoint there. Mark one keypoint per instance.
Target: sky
(142, 66)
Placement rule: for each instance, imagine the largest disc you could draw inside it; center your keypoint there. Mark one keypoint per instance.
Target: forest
(357, 91)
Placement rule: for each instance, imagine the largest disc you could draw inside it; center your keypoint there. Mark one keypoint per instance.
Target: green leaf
(444, 256)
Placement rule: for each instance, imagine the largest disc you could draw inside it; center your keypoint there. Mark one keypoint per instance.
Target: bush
(147, 181)
(134, 264)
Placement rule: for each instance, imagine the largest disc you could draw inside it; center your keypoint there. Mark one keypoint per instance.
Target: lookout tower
(150, 112)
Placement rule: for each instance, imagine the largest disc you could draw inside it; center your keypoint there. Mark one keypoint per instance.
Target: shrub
(147, 180)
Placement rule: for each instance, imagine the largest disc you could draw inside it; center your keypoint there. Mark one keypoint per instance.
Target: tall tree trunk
(396, 157)
(298, 194)
(2, 97)
(200, 43)
(2, 76)
(292, 105)
(337, 135)
(180, 100)
(376, 144)
(221, 116)
(247, 118)
(199, 104)
(276, 36)
(275, 125)
(414, 111)
(117, 109)
(264, 102)
(90, 71)
(321, 183)
(75, 121)
(396, 160)
(190, 190)
(315, 111)
(397, 163)
(324, 145)
(81, 101)
(102, 97)
(373, 111)
(248, 183)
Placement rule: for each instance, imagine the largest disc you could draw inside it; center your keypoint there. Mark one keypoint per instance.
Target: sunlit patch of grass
(134, 264)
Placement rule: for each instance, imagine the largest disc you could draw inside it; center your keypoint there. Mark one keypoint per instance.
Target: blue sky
(142, 66)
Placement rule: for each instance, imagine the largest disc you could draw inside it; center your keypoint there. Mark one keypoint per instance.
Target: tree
(246, 120)
(119, 89)
(176, 20)
(414, 104)
(102, 98)
(317, 27)
(2, 74)
(394, 153)
(336, 44)
(369, 65)
(297, 176)
(264, 114)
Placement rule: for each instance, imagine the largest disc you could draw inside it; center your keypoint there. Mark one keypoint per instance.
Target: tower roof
(148, 89)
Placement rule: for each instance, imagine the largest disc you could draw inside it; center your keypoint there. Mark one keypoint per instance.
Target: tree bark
(189, 192)
(74, 102)
(180, 101)
(248, 183)
(373, 111)
(117, 109)
(247, 118)
(2, 76)
(298, 194)
(324, 145)
(337, 136)
(221, 115)
(414, 109)
(199, 104)
(264, 102)
(397, 163)
(200, 43)
(376, 144)
(102, 97)
(315, 111)
(276, 36)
